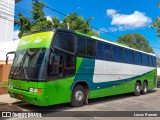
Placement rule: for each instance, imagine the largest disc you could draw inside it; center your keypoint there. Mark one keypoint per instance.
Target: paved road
(125, 102)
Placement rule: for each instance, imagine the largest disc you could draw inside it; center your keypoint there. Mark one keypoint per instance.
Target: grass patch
(3, 84)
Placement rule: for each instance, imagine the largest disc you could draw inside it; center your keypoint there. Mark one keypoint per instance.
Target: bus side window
(107, 52)
(153, 61)
(56, 67)
(69, 65)
(100, 50)
(145, 59)
(150, 61)
(117, 53)
(137, 58)
(128, 56)
(64, 41)
(91, 47)
(81, 46)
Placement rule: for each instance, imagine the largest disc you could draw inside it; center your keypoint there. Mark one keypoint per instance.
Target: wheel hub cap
(138, 88)
(79, 95)
(145, 89)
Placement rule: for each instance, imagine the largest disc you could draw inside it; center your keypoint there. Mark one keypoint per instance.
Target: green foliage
(158, 61)
(75, 23)
(136, 41)
(158, 4)
(156, 23)
(24, 23)
(37, 10)
(56, 22)
(40, 21)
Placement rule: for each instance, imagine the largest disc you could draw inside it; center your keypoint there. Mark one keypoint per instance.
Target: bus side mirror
(7, 60)
(7, 57)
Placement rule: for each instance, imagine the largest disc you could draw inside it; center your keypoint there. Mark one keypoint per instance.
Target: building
(6, 35)
(7, 20)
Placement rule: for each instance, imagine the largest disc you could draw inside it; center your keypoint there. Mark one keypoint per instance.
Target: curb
(1, 104)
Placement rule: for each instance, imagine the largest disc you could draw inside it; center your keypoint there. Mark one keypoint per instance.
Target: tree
(136, 41)
(76, 23)
(156, 23)
(40, 21)
(158, 61)
(24, 23)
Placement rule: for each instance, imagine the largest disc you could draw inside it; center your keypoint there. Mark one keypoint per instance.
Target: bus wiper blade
(15, 70)
(25, 72)
(20, 65)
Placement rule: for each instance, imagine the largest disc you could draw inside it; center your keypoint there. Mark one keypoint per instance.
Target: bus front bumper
(29, 97)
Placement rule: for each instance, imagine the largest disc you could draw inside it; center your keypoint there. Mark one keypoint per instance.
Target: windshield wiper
(25, 72)
(15, 70)
(20, 65)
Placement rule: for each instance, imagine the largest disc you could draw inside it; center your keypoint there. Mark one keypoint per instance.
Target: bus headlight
(35, 90)
(10, 85)
(30, 89)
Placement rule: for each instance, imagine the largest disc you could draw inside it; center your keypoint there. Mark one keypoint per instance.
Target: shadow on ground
(66, 106)
(9, 107)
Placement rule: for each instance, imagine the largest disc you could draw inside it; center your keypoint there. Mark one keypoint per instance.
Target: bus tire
(137, 89)
(145, 88)
(78, 96)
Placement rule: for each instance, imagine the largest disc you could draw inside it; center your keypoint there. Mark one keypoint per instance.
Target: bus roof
(94, 37)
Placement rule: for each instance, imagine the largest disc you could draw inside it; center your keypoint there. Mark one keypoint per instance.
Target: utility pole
(68, 26)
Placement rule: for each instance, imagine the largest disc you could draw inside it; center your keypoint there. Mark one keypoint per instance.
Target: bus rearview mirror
(7, 60)
(7, 57)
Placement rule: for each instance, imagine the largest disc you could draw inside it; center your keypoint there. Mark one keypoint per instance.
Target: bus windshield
(30, 64)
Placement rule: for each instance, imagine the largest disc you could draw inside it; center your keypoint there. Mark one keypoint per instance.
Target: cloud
(111, 12)
(49, 18)
(15, 34)
(79, 8)
(125, 22)
(103, 30)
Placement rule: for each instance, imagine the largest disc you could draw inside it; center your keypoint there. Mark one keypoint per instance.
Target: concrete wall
(4, 72)
(6, 20)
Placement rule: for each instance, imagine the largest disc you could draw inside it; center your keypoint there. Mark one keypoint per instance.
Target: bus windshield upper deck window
(64, 41)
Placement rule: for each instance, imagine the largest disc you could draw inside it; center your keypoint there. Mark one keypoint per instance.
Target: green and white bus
(59, 66)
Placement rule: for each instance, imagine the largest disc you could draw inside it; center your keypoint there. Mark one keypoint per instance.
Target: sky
(117, 17)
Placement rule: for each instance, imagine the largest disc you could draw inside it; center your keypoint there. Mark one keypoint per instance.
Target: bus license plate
(20, 96)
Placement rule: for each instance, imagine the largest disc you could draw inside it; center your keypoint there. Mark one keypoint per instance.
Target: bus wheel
(78, 96)
(145, 88)
(137, 89)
